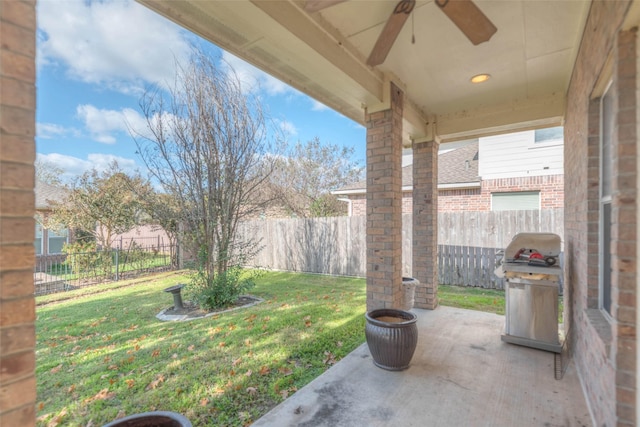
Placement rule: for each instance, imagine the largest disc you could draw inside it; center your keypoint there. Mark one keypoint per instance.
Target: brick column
(17, 209)
(384, 205)
(425, 223)
(624, 231)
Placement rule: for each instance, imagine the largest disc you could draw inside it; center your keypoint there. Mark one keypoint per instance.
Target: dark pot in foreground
(392, 336)
(151, 419)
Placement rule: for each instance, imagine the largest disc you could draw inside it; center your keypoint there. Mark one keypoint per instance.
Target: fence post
(117, 265)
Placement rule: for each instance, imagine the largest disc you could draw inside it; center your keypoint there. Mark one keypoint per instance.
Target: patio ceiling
(324, 53)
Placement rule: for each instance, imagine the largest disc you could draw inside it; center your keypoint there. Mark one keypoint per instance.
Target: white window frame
(550, 140)
(56, 236)
(507, 193)
(38, 225)
(604, 304)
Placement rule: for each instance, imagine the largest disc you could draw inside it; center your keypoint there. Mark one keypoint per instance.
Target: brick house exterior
(603, 340)
(48, 242)
(604, 343)
(460, 188)
(17, 210)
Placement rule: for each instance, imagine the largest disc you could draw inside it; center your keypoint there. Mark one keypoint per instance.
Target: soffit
(323, 54)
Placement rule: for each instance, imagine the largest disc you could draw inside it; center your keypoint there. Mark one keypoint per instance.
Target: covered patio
(464, 377)
(404, 70)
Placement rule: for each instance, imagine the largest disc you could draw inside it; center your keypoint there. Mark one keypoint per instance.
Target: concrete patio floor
(461, 374)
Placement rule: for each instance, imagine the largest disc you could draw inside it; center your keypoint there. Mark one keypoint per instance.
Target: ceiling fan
(464, 13)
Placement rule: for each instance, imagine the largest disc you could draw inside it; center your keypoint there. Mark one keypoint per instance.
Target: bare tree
(48, 172)
(310, 172)
(208, 144)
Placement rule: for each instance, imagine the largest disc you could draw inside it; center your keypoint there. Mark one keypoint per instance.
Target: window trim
(49, 237)
(35, 239)
(603, 200)
(507, 193)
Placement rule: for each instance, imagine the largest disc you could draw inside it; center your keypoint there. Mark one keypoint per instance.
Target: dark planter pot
(392, 336)
(151, 419)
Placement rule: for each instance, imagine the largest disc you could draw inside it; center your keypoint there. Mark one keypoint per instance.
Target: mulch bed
(192, 310)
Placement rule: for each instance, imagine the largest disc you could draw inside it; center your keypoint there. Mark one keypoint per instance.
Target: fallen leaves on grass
(58, 418)
(155, 383)
(284, 371)
(329, 358)
(103, 394)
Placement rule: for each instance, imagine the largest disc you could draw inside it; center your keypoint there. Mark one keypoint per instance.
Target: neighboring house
(484, 176)
(48, 241)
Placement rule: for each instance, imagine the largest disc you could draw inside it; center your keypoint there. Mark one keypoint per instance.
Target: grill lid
(528, 252)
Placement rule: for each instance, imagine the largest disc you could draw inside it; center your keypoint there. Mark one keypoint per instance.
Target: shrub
(85, 261)
(137, 257)
(221, 289)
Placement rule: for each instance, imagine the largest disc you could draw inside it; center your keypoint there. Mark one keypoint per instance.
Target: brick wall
(425, 223)
(17, 209)
(384, 207)
(624, 228)
(551, 189)
(603, 348)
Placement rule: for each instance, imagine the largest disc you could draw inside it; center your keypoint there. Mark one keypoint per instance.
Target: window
(515, 201)
(56, 239)
(38, 241)
(549, 134)
(606, 178)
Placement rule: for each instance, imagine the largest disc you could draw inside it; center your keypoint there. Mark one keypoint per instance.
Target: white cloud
(119, 44)
(103, 125)
(318, 106)
(53, 130)
(288, 128)
(74, 166)
(253, 79)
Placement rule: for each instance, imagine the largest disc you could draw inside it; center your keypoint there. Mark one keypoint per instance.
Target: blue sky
(95, 60)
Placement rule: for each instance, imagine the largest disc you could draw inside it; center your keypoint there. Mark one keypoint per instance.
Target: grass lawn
(104, 355)
(489, 300)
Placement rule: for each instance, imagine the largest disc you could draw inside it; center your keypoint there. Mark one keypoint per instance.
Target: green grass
(104, 355)
(146, 260)
(101, 353)
(489, 300)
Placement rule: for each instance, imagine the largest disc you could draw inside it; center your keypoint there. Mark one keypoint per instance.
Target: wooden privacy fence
(467, 243)
(469, 266)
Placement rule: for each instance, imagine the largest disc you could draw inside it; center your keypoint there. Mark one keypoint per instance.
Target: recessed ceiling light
(479, 78)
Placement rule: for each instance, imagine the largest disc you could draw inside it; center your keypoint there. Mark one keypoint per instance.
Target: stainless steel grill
(531, 266)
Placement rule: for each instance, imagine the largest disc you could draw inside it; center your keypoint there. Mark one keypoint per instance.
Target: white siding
(517, 155)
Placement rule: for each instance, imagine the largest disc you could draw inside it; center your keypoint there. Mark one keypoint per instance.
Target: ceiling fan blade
(316, 5)
(469, 19)
(390, 32)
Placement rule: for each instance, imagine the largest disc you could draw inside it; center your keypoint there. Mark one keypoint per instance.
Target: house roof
(46, 193)
(453, 170)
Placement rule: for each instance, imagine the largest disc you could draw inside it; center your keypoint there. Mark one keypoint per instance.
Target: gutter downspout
(349, 202)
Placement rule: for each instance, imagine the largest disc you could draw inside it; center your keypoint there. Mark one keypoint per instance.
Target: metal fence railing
(62, 272)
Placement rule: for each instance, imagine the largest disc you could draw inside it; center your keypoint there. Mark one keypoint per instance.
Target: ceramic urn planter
(152, 419)
(392, 337)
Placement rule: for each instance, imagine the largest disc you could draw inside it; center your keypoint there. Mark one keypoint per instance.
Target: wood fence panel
(467, 243)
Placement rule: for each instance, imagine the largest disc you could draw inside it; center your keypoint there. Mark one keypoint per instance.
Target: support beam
(384, 204)
(298, 22)
(506, 118)
(425, 223)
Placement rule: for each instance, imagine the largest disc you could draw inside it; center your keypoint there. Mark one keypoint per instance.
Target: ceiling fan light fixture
(480, 78)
